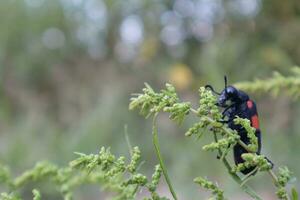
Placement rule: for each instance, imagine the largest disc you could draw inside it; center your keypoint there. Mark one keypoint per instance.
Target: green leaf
(294, 194)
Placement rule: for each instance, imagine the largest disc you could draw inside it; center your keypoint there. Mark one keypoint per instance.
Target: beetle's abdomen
(246, 110)
(238, 150)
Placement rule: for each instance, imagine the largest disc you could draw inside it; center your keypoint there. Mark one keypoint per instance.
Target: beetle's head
(230, 95)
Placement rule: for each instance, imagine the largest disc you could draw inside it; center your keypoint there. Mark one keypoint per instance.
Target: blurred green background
(68, 67)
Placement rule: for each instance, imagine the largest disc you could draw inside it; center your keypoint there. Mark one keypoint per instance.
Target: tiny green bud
(155, 178)
(138, 179)
(36, 195)
(216, 191)
(136, 155)
(282, 194)
(284, 176)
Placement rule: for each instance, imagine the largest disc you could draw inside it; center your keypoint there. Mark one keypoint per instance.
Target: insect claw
(272, 164)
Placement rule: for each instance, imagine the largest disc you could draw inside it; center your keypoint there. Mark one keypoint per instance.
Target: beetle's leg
(270, 162)
(226, 109)
(223, 121)
(216, 139)
(230, 119)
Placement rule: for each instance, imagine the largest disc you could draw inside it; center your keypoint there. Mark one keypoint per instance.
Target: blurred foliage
(67, 68)
(276, 85)
(102, 169)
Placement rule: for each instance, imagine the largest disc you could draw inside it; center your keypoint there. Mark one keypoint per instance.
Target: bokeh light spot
(53, 38)
(131, 30)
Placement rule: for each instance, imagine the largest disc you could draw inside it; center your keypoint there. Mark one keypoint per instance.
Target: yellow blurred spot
(180, 76)
(149, 49)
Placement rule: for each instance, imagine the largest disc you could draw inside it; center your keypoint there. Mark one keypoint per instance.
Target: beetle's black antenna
(225, 79)
(212, 89)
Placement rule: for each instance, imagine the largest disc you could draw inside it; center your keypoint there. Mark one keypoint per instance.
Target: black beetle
(237, 103)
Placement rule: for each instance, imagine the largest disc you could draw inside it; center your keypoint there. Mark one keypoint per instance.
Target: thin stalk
(127, 140)
(248, 176)
(161, 162)
(194, 111)
(274, 177)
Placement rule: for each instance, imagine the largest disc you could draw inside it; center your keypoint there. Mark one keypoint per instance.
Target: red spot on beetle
(255, 122)
(249, 104)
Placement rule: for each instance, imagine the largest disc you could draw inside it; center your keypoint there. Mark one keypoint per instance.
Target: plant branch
(249, 176)
(273, 175)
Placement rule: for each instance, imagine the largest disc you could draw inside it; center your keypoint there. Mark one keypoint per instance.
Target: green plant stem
(236, 178)
(274, 177)
(249, 176)
(127, 140)
(161, 162)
